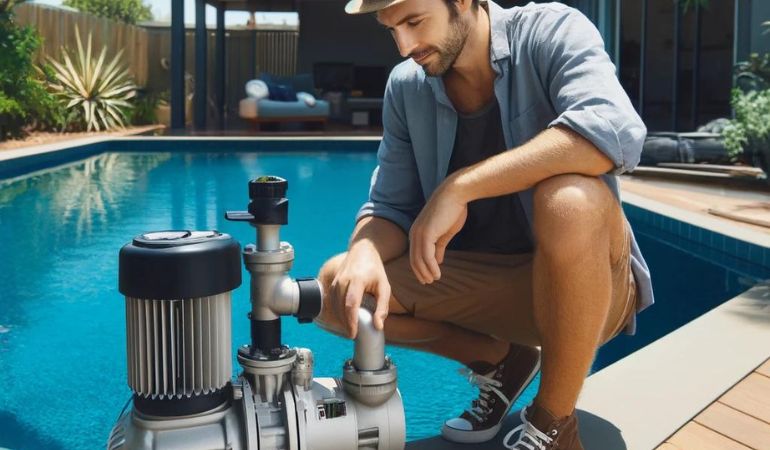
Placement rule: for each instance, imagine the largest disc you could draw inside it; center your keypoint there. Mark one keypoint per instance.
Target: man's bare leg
(444, 339)
(581, 230)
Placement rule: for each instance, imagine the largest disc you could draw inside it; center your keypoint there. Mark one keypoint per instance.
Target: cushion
(307, 98)
(281, 92)
(257, 89)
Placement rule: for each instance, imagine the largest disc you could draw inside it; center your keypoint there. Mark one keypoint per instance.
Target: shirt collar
(500, 47)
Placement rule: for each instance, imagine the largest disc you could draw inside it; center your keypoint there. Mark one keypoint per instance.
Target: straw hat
(368, 6)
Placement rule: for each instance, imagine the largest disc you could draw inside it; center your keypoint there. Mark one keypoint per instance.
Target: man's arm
(596, 131)
(555, 151)
(395, 198)
(380, 235)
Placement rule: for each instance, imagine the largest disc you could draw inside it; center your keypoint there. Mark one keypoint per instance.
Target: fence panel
(147, 49)
(57, 28)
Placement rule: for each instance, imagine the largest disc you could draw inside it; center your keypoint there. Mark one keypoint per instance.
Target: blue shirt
(551, 70)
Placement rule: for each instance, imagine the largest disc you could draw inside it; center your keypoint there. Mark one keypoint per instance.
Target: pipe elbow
(369, 347)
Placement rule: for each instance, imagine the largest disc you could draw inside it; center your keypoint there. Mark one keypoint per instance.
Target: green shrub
(24, 102)
(143, 112)
(749, 131)
(96, 94)
(128, 11)
(754, 74)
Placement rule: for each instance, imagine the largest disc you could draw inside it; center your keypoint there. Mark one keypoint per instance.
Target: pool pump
(178, 288)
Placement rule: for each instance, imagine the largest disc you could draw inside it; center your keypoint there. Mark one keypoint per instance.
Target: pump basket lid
(179, 264)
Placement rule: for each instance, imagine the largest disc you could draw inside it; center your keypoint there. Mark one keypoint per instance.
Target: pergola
(178, 54)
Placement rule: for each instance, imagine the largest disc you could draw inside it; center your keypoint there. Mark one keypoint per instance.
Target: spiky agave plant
(99, 92)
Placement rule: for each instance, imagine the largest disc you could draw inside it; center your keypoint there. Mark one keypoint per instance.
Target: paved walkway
(738, 206)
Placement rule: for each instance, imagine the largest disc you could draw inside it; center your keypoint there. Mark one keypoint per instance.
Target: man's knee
(572, 211)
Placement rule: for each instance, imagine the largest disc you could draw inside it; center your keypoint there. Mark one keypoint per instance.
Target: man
(493, 229)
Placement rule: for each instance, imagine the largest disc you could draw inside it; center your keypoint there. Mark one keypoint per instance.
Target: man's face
(426, 31)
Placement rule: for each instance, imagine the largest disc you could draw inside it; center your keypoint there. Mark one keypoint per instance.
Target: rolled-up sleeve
(395, 193)
(584, 89)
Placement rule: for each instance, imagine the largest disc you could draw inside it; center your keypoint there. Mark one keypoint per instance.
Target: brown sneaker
(540, 430)
(499, 387)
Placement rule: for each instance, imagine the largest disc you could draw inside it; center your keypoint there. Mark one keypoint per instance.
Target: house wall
(328, 34)
(760, 36)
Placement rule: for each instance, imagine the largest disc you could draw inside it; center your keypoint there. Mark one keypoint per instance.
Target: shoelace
(537, 439)
(487, 386)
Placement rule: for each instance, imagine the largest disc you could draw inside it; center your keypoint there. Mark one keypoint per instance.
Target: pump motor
(178, 287)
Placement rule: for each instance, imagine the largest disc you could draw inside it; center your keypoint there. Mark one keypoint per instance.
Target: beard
(449, 49)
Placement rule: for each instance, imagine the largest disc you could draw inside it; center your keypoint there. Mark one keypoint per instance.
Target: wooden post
(177, 64)
(201, 49)
(220, 65)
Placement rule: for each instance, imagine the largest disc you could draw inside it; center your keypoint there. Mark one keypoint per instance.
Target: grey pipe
(369, 347)
(268, 238)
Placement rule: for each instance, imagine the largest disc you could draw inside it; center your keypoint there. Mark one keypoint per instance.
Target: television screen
(333, 76)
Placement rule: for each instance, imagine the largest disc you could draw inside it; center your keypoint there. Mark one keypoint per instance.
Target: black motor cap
(179, 264)
(268, 203)
(268, 186)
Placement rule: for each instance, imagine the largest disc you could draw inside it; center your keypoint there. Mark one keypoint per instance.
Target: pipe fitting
(370, 377)
(369, 346)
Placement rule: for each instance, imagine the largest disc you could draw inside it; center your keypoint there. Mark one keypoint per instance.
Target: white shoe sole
(474, 437)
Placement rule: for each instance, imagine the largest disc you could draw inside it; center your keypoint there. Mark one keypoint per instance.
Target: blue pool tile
(734, 247)
(755, 254)
(699, 233)
(742, 250)
(718, 241)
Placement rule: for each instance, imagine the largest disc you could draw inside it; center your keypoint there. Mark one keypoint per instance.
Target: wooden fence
(247, 54)
(147, 49)
(57, 28)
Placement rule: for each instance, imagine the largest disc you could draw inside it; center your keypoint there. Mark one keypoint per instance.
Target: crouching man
(494, 234)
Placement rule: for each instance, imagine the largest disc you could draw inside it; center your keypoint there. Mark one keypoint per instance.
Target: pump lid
(179, 264)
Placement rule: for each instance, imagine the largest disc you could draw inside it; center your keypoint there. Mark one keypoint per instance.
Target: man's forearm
(387, 238)
(555, 151)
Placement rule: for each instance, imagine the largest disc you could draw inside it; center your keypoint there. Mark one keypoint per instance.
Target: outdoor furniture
(364, 109)
(258, 108)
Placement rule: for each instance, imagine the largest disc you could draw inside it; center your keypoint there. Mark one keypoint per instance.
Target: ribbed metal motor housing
(178, 306)
(178, 348)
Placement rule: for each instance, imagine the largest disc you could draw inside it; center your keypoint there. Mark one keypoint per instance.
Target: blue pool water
(62, 326)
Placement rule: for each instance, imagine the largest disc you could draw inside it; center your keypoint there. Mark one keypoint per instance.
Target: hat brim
(368, 6)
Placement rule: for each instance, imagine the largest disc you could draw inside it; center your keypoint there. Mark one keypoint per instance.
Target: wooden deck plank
(694, 436)
(736, 425)
(751, 396)
(764, 369)
(667, 446)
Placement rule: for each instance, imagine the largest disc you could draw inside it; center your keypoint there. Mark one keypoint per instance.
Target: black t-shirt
(497, 224)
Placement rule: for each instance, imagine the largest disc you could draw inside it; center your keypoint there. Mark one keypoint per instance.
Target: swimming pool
(62, 325)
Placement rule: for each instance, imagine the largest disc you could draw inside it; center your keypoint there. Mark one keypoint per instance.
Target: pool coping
(648, 395)
(714, 224)
(22, 161)
(668, 382)
(33, 150)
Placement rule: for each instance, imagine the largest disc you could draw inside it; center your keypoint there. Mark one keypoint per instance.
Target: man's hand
(439, 221)
(361, 272)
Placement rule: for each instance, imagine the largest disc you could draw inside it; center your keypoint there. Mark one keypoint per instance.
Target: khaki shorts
(492, 294)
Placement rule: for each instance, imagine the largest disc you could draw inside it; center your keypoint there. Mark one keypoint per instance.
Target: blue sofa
(261, 110)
